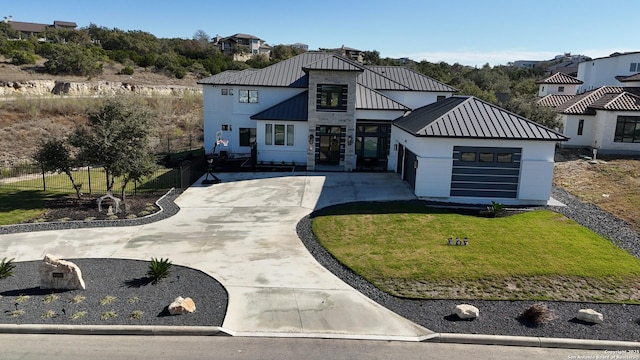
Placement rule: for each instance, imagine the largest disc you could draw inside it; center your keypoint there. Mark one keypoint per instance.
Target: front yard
(402, 248)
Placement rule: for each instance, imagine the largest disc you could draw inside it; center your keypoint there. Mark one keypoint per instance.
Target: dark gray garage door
(409, 168)
(485, 172)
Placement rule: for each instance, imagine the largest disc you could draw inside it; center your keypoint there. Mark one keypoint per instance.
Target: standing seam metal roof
(369, 99)
(412, 79)
(469, 117)
(293, 109)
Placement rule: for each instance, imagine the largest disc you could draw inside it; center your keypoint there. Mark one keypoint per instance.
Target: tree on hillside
(73, 59)
(117, 137)
(202, 38)
(54, 155)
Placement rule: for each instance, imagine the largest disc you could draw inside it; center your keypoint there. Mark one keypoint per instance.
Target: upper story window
(226, 91)
(248, 96)
(560, 88)
(331, 97)
(440, 97)
(634, 67)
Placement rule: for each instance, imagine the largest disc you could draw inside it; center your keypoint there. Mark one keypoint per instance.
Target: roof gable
(470, 117)
(335, 63)
(618, 102)
(560, 78)
(581, 104)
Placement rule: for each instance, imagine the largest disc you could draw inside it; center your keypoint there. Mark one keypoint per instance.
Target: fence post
(44, 182)
(89, 177)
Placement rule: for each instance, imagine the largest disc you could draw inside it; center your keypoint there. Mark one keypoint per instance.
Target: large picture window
(627, 129)
(248, 96)
(279, 134)
(331, 97)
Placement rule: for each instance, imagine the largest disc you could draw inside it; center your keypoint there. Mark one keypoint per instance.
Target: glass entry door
(329, 151)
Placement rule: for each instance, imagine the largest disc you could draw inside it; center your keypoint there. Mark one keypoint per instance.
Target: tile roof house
(607, 71)
(558, 83)
(606, 119)
(328, 112)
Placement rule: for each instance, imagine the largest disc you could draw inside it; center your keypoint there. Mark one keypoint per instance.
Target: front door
(329, 151)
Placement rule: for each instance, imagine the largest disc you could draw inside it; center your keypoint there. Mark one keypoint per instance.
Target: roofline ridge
(529, 121)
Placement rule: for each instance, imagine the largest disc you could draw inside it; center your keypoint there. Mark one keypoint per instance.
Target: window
(331, 97)
(468, 157)
(279, 134)
(226, 127)
(627, 129)
(505, 157)
(247, 136)
(486, 157)
(560, 88)
(580, 126)
(248, 96)
(634, 67)
(440, 97)
(226, 91)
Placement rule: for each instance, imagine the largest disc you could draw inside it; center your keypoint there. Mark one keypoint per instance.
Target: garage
(485, 172)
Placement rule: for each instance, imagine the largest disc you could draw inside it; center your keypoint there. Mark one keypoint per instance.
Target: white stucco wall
(570, 125)
(602, 72)
(435, 161)
(279, 153)
(225, 109)
(606, 133)
(546, 89)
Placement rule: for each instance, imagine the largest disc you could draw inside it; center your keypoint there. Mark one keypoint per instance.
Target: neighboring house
(242, 46)
(558, 83)
(606, 119)
(27, 29)
(328, 112)
(607, 71)
(300, 46)
(348, 52)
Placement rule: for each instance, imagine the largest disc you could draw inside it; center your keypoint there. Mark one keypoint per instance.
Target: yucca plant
(159, 269)
(6, 268)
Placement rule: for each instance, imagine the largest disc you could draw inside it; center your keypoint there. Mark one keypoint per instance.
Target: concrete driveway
(242, 232)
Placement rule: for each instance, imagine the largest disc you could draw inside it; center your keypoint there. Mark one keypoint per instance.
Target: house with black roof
(330, 113)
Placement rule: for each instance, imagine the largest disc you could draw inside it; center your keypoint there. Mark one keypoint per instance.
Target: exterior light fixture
(311, 139)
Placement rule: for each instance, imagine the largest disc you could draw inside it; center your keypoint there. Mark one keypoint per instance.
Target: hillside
(27, 117)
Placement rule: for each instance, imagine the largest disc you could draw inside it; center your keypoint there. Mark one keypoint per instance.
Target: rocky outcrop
(91, 88)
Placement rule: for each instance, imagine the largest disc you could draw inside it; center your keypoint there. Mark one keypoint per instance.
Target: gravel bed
(166, 204)
(621, 322)
(135, 300)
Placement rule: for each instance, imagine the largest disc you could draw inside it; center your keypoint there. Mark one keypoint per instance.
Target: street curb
(113, 330)
(476, 339)
(544, 342)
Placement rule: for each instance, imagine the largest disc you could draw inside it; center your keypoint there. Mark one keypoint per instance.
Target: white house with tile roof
(327, 112)
(606, 119)
(558, 83)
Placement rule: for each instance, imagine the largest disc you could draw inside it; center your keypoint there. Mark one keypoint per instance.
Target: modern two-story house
(330, 113)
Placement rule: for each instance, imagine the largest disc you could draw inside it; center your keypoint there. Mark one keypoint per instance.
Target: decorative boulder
(60, 274)
(590, 315)
(466, 311)
(181, 306)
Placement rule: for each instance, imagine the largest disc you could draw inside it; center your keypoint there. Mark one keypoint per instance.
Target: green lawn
(17, 206)
(401, 247)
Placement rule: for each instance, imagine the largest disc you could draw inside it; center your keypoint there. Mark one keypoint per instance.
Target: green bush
(127, 70)
(20, 57)
(6, 268)
(159, 269)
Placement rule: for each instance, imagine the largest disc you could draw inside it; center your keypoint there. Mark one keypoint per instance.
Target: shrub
(127, 70)
(537, 314)
(6, 268)
(159, 269)
(20, 57)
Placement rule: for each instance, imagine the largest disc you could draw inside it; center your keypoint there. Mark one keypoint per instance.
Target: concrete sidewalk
(243, 233)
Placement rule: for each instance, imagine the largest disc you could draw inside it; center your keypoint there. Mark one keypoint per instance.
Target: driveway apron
(243, 233)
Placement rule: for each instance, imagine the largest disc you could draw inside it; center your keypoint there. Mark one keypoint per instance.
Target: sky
(469, 32)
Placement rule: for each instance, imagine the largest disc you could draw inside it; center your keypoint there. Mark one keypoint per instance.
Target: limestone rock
(590, 315)
(466, 311)
(181, 306)
(60, 274)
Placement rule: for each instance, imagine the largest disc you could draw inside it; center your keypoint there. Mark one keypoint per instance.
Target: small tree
(54, 155)
(118, 137)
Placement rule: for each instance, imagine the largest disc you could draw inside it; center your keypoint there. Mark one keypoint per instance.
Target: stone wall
(93, 88)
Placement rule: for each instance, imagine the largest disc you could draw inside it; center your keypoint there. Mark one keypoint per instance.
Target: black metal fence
(92, 179)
